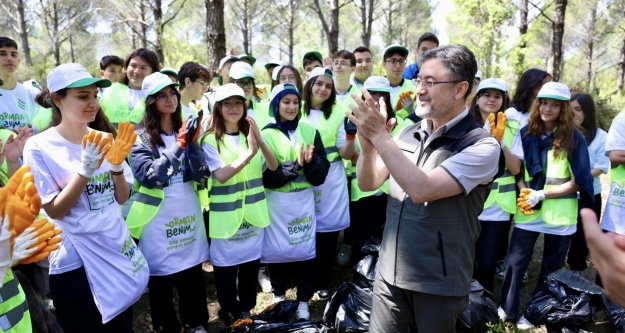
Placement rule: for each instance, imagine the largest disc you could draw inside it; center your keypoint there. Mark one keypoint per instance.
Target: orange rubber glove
(405, 94)
(94, 148)
(120, 149)
(497, 124)
(522, 203)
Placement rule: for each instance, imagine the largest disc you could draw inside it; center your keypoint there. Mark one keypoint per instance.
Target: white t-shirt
(514, 114)
(53, 162)
(18, 107)
(134, 97)
(616, 135)
(598, 158)
(314, 117)
(175, 239)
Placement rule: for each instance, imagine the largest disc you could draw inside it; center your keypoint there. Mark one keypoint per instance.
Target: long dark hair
(147, 56)
(327, 105)
(591, 122)
(530, 79)
(218, 126)
(475, 109)
(151, 121)
(100, 123)
(298, 78)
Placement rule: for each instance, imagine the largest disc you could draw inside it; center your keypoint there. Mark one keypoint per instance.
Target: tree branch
(541, 11)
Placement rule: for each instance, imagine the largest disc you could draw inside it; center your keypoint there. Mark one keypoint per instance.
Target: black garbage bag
(295, 327)
(481, 310)
(567, 302)
(616, 315)
(349, 309)
(281, 312)
(364, 271)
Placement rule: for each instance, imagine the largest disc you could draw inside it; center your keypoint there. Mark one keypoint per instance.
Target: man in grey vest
(440, 172)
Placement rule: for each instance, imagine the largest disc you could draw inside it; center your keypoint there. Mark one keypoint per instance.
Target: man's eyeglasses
(430, 84)
(164, 97)
(244, 84)
(395, 62)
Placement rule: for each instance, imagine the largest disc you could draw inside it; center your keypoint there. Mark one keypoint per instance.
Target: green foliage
(501, 327)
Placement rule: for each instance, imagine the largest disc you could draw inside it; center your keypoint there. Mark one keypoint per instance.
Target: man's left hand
(370, 122)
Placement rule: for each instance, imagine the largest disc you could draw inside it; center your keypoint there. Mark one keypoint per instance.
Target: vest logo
(300, 225)
(181, 226)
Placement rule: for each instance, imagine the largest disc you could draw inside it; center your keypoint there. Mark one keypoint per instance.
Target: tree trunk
(293, 12)
(621, 68)
(56, 44)
(591, 42)
(144, 27)
(333, 33)
(215, 32)
(523, 11)
(23, 32)
(71, 48)
(158, 23)
(246, 27)
(366, 20)
(555, 56)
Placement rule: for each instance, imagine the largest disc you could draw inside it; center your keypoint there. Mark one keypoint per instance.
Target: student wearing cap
(81, 192)
(289, 241)
(476, 82)
(556, 168)
(270, 66)
(585, 116)
(171, 72)
(403, 92)
(123, 101)
(247, 59)
(194, 79)
(331, 198)
(19, 109)
(287, 74)
(223, 73)
(311, 60)
(426, 42)
(492, 98)
(364, 66)
(342, 67)
(231, 145)
(242, 75)
(166, 216)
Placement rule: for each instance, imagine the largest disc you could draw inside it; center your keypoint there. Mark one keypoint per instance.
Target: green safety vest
(283, 148)
(43, 118)
(14, 313)
(4, 135)
(406, 86)
(617, 173)
(327, 130)
(262, 114)
(503, 190)
(147, 202)
(114, 103)
(356, 193)
(560, 211)
(242, 197)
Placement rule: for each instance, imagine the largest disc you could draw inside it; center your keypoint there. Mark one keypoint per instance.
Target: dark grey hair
(459, 62)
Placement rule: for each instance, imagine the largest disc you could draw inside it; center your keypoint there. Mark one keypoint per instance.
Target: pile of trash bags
(278, 318)
(570, 303)
(349, 309)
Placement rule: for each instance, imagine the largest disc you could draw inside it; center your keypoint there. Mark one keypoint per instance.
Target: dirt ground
(142, 320)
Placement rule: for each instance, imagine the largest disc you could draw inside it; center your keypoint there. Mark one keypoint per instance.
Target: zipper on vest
(401, 211)
(442, 251)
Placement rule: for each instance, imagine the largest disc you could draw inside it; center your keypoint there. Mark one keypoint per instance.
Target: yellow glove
(498, 126)
(405, 94)
(126, 137)
(522, 203)
(15, 180)
(47, 240)
(103, 144)
(260, 91)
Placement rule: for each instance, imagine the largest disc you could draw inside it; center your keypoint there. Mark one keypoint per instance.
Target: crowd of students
(261, 179)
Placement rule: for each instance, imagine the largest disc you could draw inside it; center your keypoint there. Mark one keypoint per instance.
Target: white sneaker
(523, 324)
(278, 299)
(302, 311)
(199, 329)
(501, 313)
(263, 280)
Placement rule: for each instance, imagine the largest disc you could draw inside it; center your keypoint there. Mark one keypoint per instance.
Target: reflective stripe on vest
(115, 105)
(328, 129)
(284, 150)
(14, 313)
(242, 197)
(560, 211)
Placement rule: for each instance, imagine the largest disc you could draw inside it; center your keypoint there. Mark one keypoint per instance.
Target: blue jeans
(519, 254)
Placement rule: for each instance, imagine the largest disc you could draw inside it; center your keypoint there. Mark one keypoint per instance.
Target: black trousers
(192, 300)
(492, 235)
(368, 216)
(227, 290)
(324, 262)
(76, 310)
(578, 252)
(302, 271)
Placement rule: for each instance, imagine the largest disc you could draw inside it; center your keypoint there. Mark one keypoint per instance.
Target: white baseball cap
(497, 84)
(73, 75)
(281, 87)
(478, 75)
(555, 90)
(225, 59)
(377, 83)
(320, 71)
(241, 70)
(155, 82)
(227, 91)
